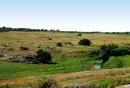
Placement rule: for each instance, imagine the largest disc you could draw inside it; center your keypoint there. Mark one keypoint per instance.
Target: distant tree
(57, 30)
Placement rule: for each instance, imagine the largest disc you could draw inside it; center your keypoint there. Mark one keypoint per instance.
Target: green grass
(118, 62)
(16, 70)
(66, 56)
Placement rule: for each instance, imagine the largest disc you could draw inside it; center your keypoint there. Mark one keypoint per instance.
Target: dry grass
(87, 77)
(67, 79)
(26, 82)
(33, 40)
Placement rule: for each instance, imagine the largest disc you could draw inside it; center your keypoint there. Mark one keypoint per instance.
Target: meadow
(71, 59)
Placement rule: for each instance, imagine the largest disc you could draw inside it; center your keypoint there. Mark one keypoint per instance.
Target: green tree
(42, 57)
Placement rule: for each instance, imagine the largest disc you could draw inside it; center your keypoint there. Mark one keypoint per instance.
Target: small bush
(79, 34)
(24, 48)
(50, 38)
(59, 44)
(85, 42)
(42, 57)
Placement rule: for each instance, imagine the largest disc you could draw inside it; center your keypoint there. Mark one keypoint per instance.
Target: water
(97, 66)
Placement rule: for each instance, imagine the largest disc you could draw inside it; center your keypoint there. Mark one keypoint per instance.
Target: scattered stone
(19, 58)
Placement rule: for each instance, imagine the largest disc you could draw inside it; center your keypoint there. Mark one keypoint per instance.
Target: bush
(105, 51)
(85, 42)
(108, 47)
(24, 48)
(70, 43)
(50, 38)
(79, 34)
(119, 52)
(59, 44)
(42, 57)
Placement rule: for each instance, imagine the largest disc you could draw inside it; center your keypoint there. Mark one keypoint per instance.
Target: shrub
(24, 48)
(79, 34)
(93, 53)
(108, 47)
(119, 52)
(42, 57)
(50, 38)
(70, 43)
(85, 42)
(105, 51)
(59, 44)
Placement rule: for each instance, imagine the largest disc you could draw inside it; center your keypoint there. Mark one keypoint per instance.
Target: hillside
(74, 63)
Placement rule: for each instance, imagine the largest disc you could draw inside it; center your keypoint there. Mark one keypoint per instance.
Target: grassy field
(118, 62)
(34, 40)
(16, 70)
(70, 58)
(106, 78)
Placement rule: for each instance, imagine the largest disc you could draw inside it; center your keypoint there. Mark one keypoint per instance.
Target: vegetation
(59, 44)
(107, 51)
(111, 49)
(42, 57)
(8, 29)
(17, 70)
(24, 48)
(100, 79)
(79, 34)
(119, 52)
(85, 42)
(118, 62)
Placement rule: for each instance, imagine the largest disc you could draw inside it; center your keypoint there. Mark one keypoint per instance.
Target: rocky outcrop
(19, 58)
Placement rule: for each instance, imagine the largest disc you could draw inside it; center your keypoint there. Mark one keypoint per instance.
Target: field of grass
(118, 62)
(70, 58)
(106, 78)
(16, 70)
(34, 40)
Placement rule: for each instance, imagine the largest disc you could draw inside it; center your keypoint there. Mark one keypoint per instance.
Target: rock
(21, 58)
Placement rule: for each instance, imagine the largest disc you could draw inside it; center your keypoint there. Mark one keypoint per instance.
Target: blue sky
(80, 15)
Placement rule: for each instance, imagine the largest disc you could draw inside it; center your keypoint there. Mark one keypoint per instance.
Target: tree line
(9, 29)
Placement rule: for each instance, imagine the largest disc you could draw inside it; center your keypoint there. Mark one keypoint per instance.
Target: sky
(67, 15)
